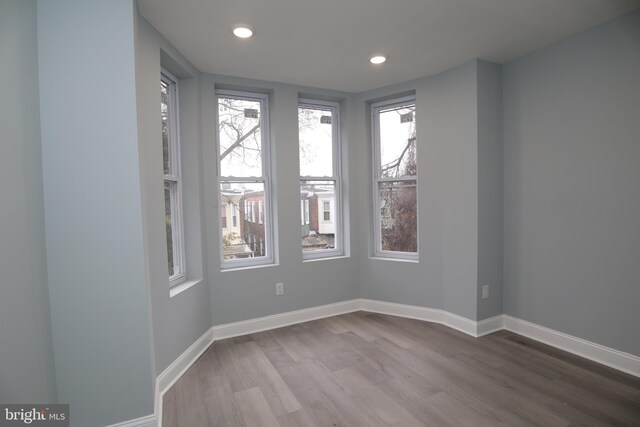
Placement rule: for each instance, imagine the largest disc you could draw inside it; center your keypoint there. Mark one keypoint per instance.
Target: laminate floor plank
(345, 411)
(368, 369)
(587, 374)
(228, 357)
(376, 400)
(257, 366)
(255, 409)
(288, 340)
(382, 330)
(222, 409)
(298, 418)
(494, 387)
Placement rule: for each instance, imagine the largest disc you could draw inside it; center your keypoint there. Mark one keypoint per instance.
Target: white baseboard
(613, 358)
(490, 325)
(462, 324)
(402, 310)
(173, 372)
(148, 421)
(260, 324)
(607, 356)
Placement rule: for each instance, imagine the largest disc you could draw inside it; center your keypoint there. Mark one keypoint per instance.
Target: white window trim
(265, 179)
(378, 252)
(177, 223)
(339, 239)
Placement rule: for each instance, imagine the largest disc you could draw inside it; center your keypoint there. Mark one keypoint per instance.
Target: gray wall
(490, 188)
(449, 139)
(248, 293)
(26, 353)
(572, 185)
(179, 320)
(93, 210)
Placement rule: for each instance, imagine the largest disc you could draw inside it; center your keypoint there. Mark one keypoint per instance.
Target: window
(306, 211)
(235, 216)
(320, 177)
(172, 179)
(244, 177)
(395, 179)
(326, 208)
(223, 220)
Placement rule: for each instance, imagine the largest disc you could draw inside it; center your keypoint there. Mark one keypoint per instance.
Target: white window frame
(378, 252)
(339, 239)
(175, 176)
(265, 179)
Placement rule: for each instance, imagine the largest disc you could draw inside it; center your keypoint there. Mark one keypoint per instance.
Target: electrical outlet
(485, 291)
(279, 288)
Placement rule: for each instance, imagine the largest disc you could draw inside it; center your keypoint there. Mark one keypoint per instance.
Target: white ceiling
(327, 43)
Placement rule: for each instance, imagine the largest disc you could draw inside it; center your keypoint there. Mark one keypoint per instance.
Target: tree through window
(396, 216)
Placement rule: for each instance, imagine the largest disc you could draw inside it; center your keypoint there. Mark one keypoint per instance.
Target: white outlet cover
(485, 291)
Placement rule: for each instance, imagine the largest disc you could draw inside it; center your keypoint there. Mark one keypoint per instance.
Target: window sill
(386, 258)
(247, 267)
(326, 258)
(183, 286)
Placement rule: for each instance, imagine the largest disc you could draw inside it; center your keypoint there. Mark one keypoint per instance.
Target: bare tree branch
(239, 141)
(395, 164)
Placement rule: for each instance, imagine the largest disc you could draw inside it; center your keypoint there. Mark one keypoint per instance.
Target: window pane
(398, 142)
(398, 216)
(245, 237)
(164, 110)
(318, 228)
(168, 216)
(316, 142)
(240, 138)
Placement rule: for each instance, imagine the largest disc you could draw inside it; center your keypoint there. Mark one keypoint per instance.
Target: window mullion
(398, 179)
(243, 179)
(319, 178)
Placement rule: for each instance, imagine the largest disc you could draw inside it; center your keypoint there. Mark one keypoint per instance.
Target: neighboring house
(252, 225)
(231, 219)
(317, 204)
(325, 213)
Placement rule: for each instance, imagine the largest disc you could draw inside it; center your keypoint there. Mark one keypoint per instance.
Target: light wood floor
(364, 369)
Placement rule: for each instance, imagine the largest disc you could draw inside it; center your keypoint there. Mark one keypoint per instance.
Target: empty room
(320, 213)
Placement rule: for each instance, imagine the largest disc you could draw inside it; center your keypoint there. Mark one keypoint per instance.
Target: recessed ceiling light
(378, 59)
(242, 31)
